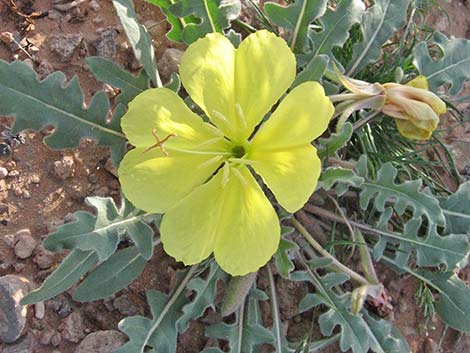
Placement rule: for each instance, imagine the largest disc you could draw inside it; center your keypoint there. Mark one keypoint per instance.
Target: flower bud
(415, 109)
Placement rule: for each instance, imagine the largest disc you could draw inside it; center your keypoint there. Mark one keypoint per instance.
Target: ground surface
(44, 187)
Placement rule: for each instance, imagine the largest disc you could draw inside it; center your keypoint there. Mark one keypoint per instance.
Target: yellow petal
(419, 82)
(411, 131)
(302, 116)
(206, 71)
(291, 174)
(154, 183)
(163, 110)
(265, 68)
(230, 216)
(236, 88)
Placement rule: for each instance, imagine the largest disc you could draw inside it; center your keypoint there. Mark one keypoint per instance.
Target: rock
(94, 5)
(39, 310)
(34, 179)
(72, 328)
(101, 342)
(26, 194)
(44, 69)
(125, 306)
(60, 305)
(43, 258)
(170, 61)
(105, 44)
(63, 45)
(54, 15)
(25, 345)
(24, 244)
(12, 314)
(102, 191)
(3, 172)
(64, 168)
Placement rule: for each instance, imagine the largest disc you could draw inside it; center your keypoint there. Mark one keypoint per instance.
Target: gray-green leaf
(37, 104)
(296, 18)
(139, 39)
(71, 269)
(453, 67)
(102, 233)
(378, 24)
(114, 274)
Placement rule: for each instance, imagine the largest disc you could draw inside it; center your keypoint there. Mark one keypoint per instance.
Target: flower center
(238, 151)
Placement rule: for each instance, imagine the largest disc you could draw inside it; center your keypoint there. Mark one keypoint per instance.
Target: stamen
(242, 161)
(209, 162)
(209, 142)
(226, 175)
(240, 114)
(239, 176)
(159, 143)
(222, 118)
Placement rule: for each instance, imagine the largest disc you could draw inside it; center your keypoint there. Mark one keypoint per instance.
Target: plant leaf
(37, 104)
(247, 332)
(335, 26)
(341, 176)
(213, 16)
(457, 210)
(329, 146)
(296, 18)
(106, 70)
(454, 298)
(356, 334)
(313, 71)
(177, 24)
(283, 255)
(139, 39)
(378, 24)
(116, 273)
(102, 233)
(158, 334)
(408, 195)
(453, 67)
(71, 269)
(204, 296)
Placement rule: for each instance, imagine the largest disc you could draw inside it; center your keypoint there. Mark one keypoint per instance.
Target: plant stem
(354, 275)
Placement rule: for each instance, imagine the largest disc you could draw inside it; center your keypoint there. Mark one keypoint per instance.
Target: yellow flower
(415, 109)
(197, 172)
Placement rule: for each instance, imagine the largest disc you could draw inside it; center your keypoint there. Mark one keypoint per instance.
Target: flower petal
(236, 88)
(291, 174)
(207, 74)
(154, 183)
(265, 68)
(230, 216)
(302, 116)
(163, 110)
(411, 131)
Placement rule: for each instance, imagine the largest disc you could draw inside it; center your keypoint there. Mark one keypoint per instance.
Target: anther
(240, 114)
(159, 143)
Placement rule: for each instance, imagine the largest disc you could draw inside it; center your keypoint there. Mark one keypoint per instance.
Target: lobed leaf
(139, 39)
(120, 270)
(102, 233)
(53, 102)
(212, 16)
(296, 18)
(71, 269)
(106, 70)
(456, 209)
(204, 296)
(453, 67)
(335, 27)
(329, 146)
(378, 24)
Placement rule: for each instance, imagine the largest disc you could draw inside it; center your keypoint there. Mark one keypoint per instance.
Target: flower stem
(354, 275)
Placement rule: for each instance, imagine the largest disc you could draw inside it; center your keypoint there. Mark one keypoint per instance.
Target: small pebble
(72, 328)
(64, 168)
(3, 172)
(39, 310)
(24, 244)
(13, 173)
(94, 5)
(18, 191)
(26, 194)
(35, 179)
